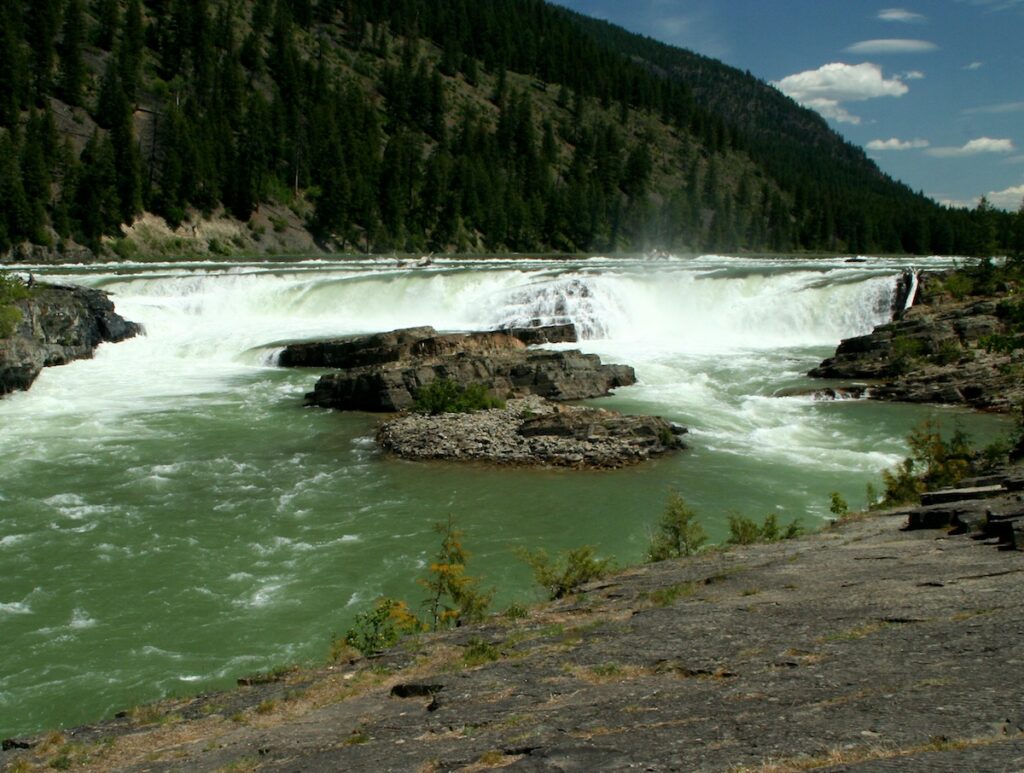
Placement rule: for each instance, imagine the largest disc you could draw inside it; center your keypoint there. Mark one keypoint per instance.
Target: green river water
(172, 518)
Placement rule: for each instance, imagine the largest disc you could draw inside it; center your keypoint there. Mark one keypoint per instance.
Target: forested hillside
(439, 125)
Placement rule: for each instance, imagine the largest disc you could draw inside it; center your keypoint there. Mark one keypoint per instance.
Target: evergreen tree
(130, 50)
(108, 18)
(13, 68)
(72, 69)
(42, 25)
(96, 207)
(15, 212)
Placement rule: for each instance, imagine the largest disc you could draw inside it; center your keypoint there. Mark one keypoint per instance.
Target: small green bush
(566, 574)
(12, 289)
(948, 352)
(959, 285)
(445, 396)
(838, 506)
(746, 531)
(933, 463)
(679, 533)
(381, 627)
(478, 652)
(905, 353)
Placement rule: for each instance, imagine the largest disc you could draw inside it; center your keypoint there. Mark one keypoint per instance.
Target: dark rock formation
(933, 353)
(532, 431)
(544, 334)
(59, 324)
(416, 342)
(384, 372)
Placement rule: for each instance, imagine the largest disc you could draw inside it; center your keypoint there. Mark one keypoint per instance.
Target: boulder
(58, 324)
(383, 372)
(569, 375)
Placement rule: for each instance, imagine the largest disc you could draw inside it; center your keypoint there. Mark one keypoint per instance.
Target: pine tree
(42, 24)
(108, 18)
(96, 206)
(13, 68)
(72, 70)
(130, 50)
(454, 597)
(15, 213)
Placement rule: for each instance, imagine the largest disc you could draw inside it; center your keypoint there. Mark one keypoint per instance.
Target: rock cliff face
(59, 324)
(383, 372)
(932, 353)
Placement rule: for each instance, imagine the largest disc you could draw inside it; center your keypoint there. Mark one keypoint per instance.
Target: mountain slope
(415, 125)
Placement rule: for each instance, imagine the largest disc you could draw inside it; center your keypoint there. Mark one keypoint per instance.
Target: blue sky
(933, 91)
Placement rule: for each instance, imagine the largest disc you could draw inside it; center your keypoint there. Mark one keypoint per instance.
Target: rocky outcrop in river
(934, 352)
(58, 324)
(532, 431)
(383, 372)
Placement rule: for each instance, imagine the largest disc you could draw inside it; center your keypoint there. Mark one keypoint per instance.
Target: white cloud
(1009, 198)
(828, 87)
(892, 46)
(974, 66)
(996, 5)
(912, 75)
(1014, 160)
(897, 144)
(1002, 107)
(900, 15)
(974, 148)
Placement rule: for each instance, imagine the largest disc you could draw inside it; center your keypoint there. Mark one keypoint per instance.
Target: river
(171, 517)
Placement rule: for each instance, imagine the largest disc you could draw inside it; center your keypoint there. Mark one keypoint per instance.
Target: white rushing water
(170, 515)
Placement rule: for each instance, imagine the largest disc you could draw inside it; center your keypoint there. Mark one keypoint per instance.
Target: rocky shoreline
(934, 352)
(59, 324)
(385, 372)
(868, 646)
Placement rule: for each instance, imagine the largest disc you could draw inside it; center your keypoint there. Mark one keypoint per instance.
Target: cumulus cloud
(892, 46)
(900, 15)
(1010, 198)
(974, 148)
(897, 144)
(912, 75)
(974, 66)
(828, 87)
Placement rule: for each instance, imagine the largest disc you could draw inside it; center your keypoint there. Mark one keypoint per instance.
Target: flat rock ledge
(59, 323)
(532, 431)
